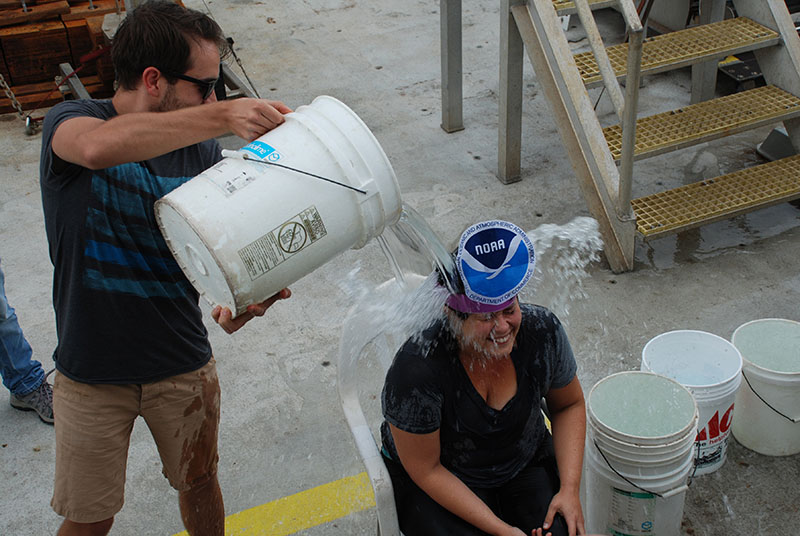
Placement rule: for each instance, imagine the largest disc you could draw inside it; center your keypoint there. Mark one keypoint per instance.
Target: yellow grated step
(685, 47)
(566, 7)
(706, 121)
(719, 198)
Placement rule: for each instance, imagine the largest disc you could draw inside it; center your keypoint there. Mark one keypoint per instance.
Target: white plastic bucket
(709, 366)
(639, 454)
(767, 416)
(242, 230)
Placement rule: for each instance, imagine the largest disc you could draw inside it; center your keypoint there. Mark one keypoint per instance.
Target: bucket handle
(242, 156)
(665, 495)
(796, 420)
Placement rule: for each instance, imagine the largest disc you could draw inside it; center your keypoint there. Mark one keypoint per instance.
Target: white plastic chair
(354, 345)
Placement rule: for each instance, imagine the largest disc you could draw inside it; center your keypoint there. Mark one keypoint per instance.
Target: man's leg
(93, 428)
(182, 413)
(202, 509)
(100, 528)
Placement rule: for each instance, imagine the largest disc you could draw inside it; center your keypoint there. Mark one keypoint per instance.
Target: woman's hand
(569, 506)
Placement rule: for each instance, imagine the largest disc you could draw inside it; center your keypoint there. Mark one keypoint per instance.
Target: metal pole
(452, 92)
(600, 56)
(635, 37)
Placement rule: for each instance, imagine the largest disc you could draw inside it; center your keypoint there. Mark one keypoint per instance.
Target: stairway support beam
(450, 40)
(779, 65)
(704, 75)
(509, 144)
(624, 210)
(580, 131)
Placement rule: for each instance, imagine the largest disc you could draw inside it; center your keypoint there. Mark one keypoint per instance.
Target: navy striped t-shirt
(125, 313)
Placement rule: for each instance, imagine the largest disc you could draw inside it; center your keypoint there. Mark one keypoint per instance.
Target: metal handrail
(626, 107)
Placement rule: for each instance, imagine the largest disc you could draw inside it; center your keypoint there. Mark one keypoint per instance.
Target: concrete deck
(282, 430)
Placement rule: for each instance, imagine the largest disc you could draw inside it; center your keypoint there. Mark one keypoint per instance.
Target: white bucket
(767, 416)
(639, 454)
(709, 366)
(242, 230)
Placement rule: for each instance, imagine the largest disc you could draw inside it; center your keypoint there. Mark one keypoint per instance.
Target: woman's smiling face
(491, 334)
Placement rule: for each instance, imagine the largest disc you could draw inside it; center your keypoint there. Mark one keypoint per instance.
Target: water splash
(412, 249)
(413, 300)
(563, 256)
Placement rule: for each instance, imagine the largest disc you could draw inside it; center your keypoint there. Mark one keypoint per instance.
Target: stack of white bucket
(710, 367)
(767, 416)
(639, 454)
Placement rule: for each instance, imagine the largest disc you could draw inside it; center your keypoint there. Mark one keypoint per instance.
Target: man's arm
(131, 137)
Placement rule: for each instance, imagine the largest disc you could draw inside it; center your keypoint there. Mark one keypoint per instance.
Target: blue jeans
(20, 373)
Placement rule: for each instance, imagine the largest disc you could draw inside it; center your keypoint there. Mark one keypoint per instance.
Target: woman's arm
(568, 416)
(419, 454)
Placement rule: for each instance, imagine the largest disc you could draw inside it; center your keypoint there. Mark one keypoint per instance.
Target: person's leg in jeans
(22, 376)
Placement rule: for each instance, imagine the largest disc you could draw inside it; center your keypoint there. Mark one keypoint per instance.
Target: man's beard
(169, 101)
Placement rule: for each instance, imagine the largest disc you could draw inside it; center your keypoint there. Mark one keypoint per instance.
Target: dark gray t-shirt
(427, 389)
(125, 313)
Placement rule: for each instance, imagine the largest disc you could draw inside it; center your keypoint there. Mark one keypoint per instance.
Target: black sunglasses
(206, 86)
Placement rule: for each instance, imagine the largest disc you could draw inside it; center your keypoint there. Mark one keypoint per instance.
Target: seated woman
(464, 437)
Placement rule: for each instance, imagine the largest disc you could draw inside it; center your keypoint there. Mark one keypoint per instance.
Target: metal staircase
(603, 157)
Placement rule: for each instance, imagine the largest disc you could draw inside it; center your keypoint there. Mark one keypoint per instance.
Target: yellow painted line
(303, 510)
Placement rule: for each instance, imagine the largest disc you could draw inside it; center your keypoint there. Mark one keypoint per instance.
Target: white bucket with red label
(281, 206)
(710, 368)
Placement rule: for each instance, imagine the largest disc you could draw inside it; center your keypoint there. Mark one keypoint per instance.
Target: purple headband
(462, 304)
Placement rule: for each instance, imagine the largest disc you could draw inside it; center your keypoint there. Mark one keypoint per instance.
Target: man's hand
(223, 315)
(252, 118)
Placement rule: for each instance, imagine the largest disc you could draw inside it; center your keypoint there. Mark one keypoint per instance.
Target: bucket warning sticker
(273, 248)
(632, 513)
(230, 178)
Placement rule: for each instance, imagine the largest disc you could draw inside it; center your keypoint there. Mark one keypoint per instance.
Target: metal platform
(686, 47)
(697, 123)
(567, 7)
(719, 198)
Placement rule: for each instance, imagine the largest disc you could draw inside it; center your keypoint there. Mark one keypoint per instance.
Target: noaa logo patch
(495, 259)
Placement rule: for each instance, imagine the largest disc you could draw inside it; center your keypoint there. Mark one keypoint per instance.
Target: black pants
(522, 502)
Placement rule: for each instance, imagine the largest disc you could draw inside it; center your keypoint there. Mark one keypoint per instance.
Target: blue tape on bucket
(263, 151)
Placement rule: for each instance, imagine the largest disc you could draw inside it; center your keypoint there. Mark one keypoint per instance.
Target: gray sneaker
(39, 400)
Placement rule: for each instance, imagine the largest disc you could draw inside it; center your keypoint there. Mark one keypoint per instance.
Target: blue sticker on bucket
(495, 259)
(263, 151)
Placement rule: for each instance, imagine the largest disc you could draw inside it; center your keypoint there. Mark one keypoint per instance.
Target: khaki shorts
(93, 428)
